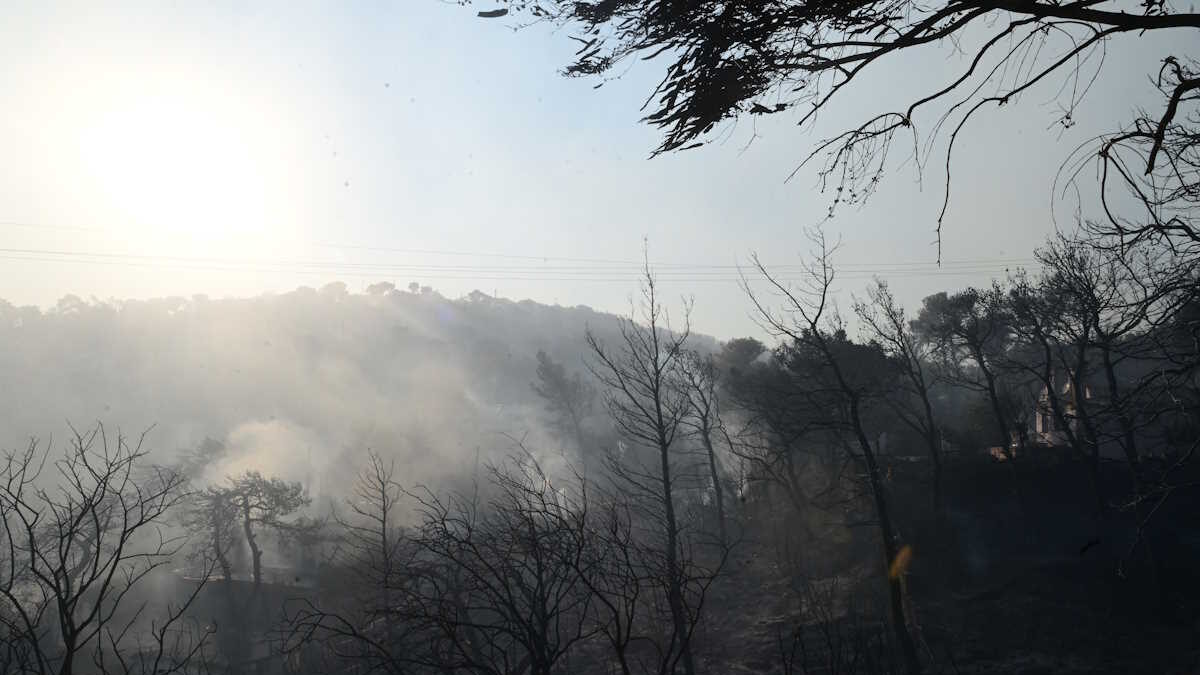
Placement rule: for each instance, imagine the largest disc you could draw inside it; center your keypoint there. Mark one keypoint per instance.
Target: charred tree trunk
(718, 491)
(933, 437)
(674, 585)
(67, 667)
(1128, 430)
(252, 542)
(891, 545)
(1083, 448)
(989, 379)
(219, 545)
(1091, 438)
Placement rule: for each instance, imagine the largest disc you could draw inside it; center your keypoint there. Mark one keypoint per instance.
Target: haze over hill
(294, 383)
(949, 422)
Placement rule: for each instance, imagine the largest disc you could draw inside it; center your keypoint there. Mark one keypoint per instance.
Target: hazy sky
(240, 148)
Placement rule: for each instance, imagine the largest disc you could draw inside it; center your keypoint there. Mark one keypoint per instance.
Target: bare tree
(1039, 317)
(885, 322)
(374, 540)
(516, 576)
(808, 323)
(742, 61)
(82, 534)
(612, 572)
(1054, 346)
(488, 581)
(507, 598)
(1124, 300)
(1149, 171)
(700, 376)
(648, 406)
(363, 628)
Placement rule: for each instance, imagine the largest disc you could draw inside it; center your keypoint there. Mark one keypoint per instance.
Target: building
(1048, 430)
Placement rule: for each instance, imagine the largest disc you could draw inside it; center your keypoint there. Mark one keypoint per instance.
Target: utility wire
(678, 269)
(600, 264)
(444, 272)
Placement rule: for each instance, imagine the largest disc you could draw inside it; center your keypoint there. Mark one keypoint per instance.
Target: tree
(738, 354)
(1125, 297)
(512, 576)
(212, 518)
(512, 601)
(699, 375)
(728, 61)
(781, 435)
(209, 514)
(228, 519)
(612, 571)
(1150, 169)
(1052, 345)
(884, 321)
(852, 373)
(568, 399)
(1178, 433)
(1123, 300)
(366, 628)
(374, 539)
(970, 332)
(265, 503)
(1054, 336)
(490, 580)
(648, 407)
(82, 534)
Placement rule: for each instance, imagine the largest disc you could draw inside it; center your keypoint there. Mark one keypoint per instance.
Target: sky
(234, 149)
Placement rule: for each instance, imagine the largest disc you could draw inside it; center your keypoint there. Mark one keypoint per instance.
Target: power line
(637, 263)
(423, 251)
(679, 268)
(435, 272)
(603, 264)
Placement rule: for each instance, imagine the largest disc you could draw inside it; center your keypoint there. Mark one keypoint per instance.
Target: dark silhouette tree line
(620, 563)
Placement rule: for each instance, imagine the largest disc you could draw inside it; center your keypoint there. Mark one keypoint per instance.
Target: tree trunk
(219, 546)
(1079, 402)
(934, 438)
(623, 661)
(1129, 446)
(582, 445)
(389, 619)
(674, 588)
(706, 436)
(891, 547)
(252, 542)
(994, 399)
(1128, 432)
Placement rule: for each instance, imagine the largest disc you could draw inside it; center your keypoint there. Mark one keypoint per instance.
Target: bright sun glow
(198, 165)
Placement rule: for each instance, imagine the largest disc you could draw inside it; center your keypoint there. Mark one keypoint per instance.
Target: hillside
(291, 382)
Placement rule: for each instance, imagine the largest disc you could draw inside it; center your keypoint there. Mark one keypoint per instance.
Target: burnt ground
(1030, 581)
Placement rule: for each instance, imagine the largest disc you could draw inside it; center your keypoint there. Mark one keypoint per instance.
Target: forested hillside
(1001, 480)
(291, 383)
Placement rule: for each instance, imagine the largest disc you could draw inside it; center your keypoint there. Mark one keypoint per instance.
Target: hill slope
(293, 382)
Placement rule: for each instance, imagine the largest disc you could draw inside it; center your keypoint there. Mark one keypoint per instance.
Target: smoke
(298, 385)
(280, 448)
